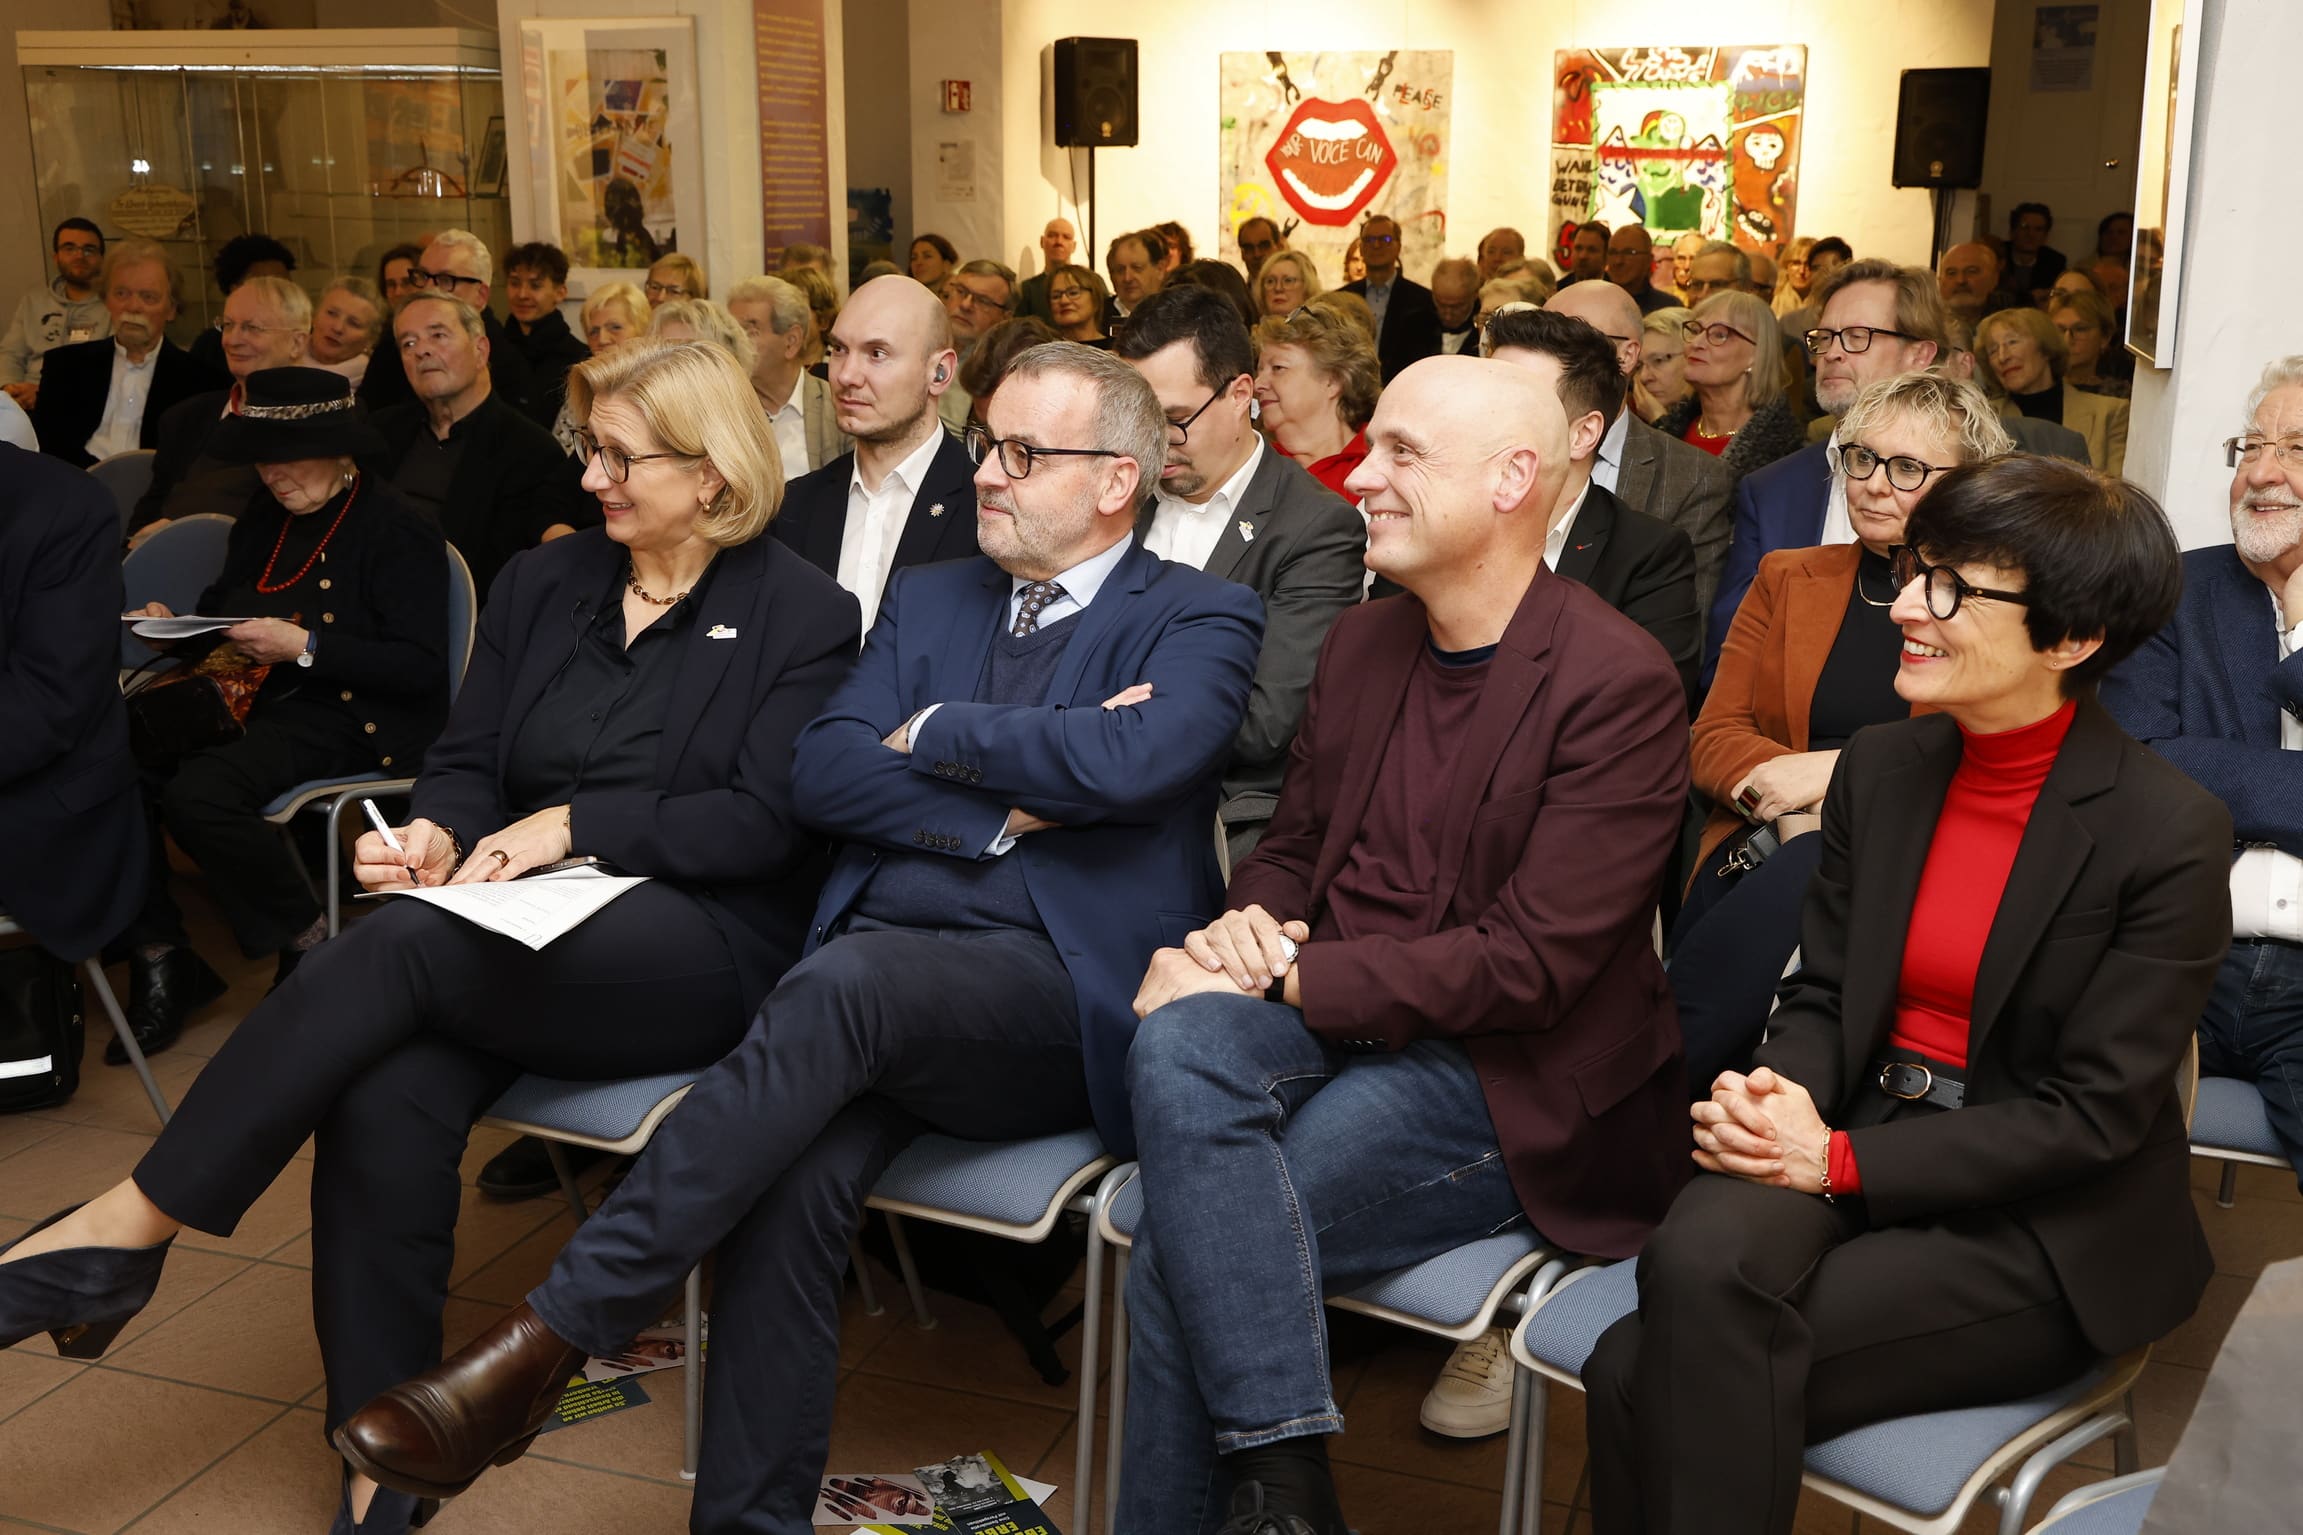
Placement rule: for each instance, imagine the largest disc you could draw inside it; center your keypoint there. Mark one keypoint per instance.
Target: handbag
(178, 714)
(41, 1034)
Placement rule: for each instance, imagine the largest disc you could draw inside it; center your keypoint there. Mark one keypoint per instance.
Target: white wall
(960, 40)
(1503, 68)
(2072, 150)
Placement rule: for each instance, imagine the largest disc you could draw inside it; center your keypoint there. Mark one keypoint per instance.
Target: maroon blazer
(1537, 946)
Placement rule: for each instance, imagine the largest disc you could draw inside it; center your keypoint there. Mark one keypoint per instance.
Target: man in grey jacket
(66, 310)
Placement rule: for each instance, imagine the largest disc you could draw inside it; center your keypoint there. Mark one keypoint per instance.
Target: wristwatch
(1277, 990)
(311, 648)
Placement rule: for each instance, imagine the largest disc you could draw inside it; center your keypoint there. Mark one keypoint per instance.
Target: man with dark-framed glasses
(2219, 693)
(976, 297)
(1227, 503)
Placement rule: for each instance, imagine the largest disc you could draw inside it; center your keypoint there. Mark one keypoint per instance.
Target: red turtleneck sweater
(1984, 813)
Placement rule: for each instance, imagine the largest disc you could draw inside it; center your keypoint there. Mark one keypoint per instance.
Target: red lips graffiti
(1331, 159)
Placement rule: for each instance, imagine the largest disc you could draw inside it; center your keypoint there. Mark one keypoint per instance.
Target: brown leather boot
(434, 1435)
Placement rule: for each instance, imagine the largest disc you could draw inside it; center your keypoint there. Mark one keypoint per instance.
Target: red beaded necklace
(264, 581)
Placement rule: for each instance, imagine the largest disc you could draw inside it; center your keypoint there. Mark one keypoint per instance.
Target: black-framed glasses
(659, 291)
(969, 298)
(1179, 432)
(615, 463)
(2246, 450)
(1715, 333)
(1944, 587)
(1056, 293)
(1904, 473)
(1017, 457)
(419, 278)
(1852, 339)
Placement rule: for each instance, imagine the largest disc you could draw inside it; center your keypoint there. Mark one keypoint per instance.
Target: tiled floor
(204, 1417)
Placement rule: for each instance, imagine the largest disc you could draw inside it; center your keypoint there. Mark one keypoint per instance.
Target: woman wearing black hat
(342, 589)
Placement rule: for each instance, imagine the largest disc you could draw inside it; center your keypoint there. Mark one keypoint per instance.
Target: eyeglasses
(1715, 333)
(1366, 240)
(1016, 458)
(1945, 588)
(659, 291)
(74, 248)
(420, 278)
(1179, 432)
(615, 463)
(1056, 293)
(1852, 339)
(968, 298)
(1861, 463)
(2246, 450)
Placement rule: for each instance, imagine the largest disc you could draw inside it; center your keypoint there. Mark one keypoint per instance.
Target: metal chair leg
(864, 1290)
(693, 1385)
(2127, 1444)
(2227, 1191)
(1531, 1476)
(1116, 1396)
(567, 1175)
(911, 1273)
(1515, 1448)
(1091, 1342)
(111, 1004)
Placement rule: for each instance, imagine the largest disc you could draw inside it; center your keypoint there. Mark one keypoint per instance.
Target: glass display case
(340, 144)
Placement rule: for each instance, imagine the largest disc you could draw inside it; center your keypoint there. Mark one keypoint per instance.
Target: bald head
(891, 355)
(1607, 309)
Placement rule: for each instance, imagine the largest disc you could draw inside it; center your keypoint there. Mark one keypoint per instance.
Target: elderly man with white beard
(2219, 693)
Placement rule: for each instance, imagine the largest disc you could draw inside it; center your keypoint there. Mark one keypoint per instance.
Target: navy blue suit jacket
(2206, 693)
(1130, 865)
(1778, 507)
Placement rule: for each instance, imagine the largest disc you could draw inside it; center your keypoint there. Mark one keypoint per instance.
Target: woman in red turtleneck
(1959, 1172)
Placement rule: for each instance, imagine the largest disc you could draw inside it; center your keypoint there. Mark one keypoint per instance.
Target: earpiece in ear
(942, 374)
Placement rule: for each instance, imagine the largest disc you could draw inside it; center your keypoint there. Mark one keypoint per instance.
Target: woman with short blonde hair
(1316, 382)
(2021, 357)
(615, 313)
(699, 319)
(690, 394)
(675, 275)
(1286, 281)
(1738, 410)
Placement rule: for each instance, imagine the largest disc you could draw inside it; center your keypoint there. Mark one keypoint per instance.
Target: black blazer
(942, 524)
(2116, 916)
(512, 483)
(75, 381)
(1645, 568)
(772, 640)
(185, 481)
(1410, 325)
(549, 350)
(382, 658)
(72, 864)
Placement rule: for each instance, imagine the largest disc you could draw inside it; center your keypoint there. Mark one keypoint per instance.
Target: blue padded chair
(2229, 1125)
(92, 975)
(126, 476)
(342, 793)
(1921, 1474)
(174, 566)
(2115, 1507)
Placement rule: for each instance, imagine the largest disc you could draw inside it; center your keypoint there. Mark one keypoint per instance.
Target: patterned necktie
(1036, 597)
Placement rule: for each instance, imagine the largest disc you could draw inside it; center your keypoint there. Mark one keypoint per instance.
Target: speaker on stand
(1095, 104)
(1940, 115)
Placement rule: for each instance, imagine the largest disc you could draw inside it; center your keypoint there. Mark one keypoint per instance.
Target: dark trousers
(1727, 959)
(213, 805)
(2253, 1030)
(1769, 1320)
(389, 1041)
(878, 1035)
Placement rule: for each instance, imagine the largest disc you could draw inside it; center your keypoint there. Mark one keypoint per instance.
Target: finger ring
(503, 859)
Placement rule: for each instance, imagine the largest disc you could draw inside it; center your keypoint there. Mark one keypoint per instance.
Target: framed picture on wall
(2163, 180)
(612, 157)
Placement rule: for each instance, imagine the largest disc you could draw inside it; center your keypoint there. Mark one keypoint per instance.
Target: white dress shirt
(1838, 526)
(1607, 459)
(1556, 539)
(1187, 533)
(122, 428)
(2267, 884)
(876, 522)
(791, 428)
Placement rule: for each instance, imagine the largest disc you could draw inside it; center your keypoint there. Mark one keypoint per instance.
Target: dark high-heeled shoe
(79, 1296)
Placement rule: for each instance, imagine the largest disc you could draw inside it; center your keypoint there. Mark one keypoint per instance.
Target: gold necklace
(1866, 596)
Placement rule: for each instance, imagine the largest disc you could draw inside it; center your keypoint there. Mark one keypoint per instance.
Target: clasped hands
(1762, 1128)
(428, 853)
(1020, 821)
(265, 641)
(1238, 952)
(1787, 784)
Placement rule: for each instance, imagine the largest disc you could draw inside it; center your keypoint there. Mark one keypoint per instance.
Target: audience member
(1980, 1237)
(977, 297)
(238, 259)
(615, 313)
(1176, 241)
(1739, 412)
(1286, 282)
(877, 269)
(1316, 383)
(2115, 236)
(1455, 294)
(1662, 379)
(1642, 565)
(1811, 658)
(1077, 303)
(1225, 505)
(1259, 239)
(2049, 439)
(2110, 275)
(953, 990)
(535, 286)
(2074, 280)
(675, 275)
(1354, 263)
(2032, 265)
(1718, 267)
(2023, 358)
(341, 588)
(457, 263)
(1763, 277)
(984, 369)
(107, 396)
(1520, 288)
(392, 270)
(1646, 470)
(906, 495)
(1878, 320)
(2090, 343)
(1586, 254)
(932, 260)
(2227, 710)
(1343, 304)
(699, 319)
(1824, 257)
(1631, 267)
(823, 308)
(391, 1041)
(798, 405)
(72, 865)
(1137, 262)
(65, 311)
(1794, 279)
(346, 325)
(1406, 320)
(1427, 1030)
(1499, 248)
(267, 324)
(1969, 277)
(494, 480)
(1057, 242)
(1683, 253)
(795, 257)
(1217, 277)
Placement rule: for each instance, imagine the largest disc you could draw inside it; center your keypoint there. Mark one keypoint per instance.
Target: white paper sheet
(533, 910)
(182, 627)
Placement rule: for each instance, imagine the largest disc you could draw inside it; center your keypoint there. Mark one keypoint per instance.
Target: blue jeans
(1275, 1171)
(2253, 1030)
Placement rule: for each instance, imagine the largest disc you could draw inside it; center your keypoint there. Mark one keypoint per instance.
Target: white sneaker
(1472, 1397)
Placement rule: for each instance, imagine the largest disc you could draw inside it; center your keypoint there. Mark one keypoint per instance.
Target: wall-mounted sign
(155, 212)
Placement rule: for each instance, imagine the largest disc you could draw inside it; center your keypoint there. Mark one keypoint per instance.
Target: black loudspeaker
(1939, 127)
(1095, 92)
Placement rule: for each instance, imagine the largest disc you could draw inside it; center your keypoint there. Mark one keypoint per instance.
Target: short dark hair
(2097, 554)
(942, 246)
(2015, 214)
(1219, 277)
(1590, 376)
(1207, 319)
(242, 252)
(1176, 238)
(538, 256)
(1830, 244)
(1155, 248)
(1594, 226)
(1268, 223)
(408, 251)
(2103, 224)
(83, 225)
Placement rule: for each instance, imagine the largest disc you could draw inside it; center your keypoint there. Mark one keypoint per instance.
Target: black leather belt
(1918, 1082)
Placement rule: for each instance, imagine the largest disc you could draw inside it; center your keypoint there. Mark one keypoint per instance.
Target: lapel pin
(1246, 531)
(936, 510)
(719, 632)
